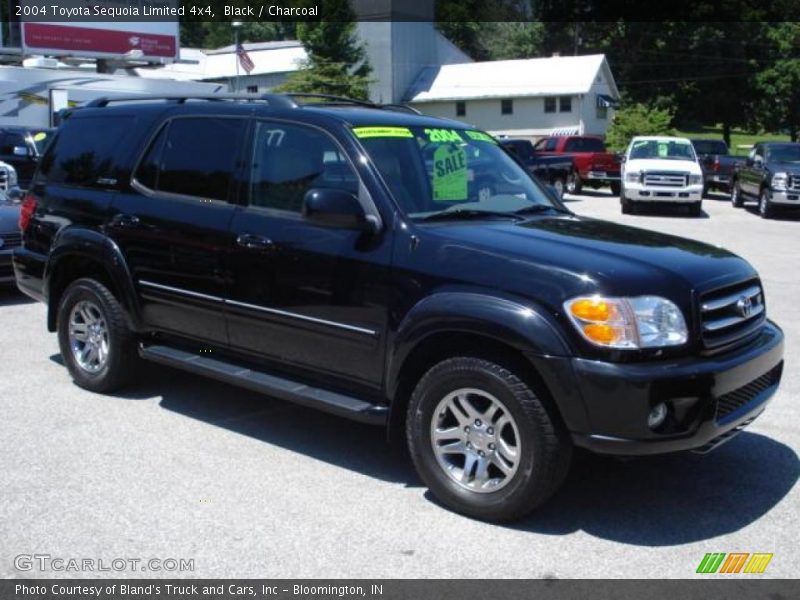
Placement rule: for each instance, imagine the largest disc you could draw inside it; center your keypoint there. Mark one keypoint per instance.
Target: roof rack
(277, 100)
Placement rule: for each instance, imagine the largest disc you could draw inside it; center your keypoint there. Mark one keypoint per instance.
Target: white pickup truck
(661, 169)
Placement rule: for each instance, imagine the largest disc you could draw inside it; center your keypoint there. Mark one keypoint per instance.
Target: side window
(288, 160)
(551, 145)
(198, 157)
(85, 149)
(539, 146)
(147, 172)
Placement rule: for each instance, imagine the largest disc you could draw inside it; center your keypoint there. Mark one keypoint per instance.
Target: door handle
(254, 242)
(124, 220)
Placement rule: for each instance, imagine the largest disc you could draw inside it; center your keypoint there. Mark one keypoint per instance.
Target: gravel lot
(179, 467)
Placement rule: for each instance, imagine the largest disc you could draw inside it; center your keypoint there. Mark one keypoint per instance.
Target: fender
(92, 244)
(519, 323)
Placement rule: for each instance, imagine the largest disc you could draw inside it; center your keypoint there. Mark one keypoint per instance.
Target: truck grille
(731, 314)
(794, 183)
(11, 240)
(665, 179)
(734, 400)
(3, 179)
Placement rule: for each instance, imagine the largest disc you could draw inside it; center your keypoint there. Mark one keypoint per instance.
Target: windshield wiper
(468, 213)
(540, 208)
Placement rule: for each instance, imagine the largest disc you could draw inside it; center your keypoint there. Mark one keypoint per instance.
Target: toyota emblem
(745, 306)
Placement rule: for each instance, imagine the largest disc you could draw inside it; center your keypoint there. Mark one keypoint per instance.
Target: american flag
(244, 59)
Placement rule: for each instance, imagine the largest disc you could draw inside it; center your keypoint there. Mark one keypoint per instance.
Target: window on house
(252, 89)
(461, 108)
(565, 104)
(602, 112)
(550, 104)
(507, 106)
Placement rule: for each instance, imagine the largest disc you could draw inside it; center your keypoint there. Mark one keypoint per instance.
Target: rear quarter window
(86, 149)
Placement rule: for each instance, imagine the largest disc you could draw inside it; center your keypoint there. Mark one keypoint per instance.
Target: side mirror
(758, 162)
(20, 151)
(329, 207)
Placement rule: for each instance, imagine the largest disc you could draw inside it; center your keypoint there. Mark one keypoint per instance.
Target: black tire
(765, 207)
(628, 206)
(616, 188)
(736, 195)
(574, 183)
(544, 455)
(705, 191)
(122, 361)
(696, 209)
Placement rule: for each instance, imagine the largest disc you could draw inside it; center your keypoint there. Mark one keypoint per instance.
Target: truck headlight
(632, 176)
(779, 181)
(640, 322)
(695, 179)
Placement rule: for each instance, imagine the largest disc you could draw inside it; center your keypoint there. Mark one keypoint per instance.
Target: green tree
(779, 82)
(337, 63)
(637, 119)
(507, 41)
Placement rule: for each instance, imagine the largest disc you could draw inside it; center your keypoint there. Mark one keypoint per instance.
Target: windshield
(784, 153)
(664, 149)
(431, 170)
(710, 147)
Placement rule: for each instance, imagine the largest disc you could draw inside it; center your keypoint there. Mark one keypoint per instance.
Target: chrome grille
(3, 178)
(731, 314)
(11, 240)
(794, 183)
(665, 179)
(732, 401)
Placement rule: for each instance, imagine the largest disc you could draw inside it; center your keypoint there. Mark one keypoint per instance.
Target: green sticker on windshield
(480, 136)
(385, 132)
(450, 176)
(443, 135)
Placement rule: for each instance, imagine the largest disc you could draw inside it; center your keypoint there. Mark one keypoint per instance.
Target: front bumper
(709, 399)
(641, 193)
(597, 175)
(785, 197)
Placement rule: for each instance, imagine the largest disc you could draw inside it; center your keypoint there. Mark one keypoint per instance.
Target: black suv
(346, 256)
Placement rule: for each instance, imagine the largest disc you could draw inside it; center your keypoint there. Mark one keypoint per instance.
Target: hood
(568, 255)
(657, 164)
(9, 218)
(786, 167)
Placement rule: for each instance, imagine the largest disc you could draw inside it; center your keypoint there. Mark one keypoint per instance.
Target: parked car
(593, 165)
(10, 236)
(21, 147)
(312, 253)
(717, 164)
(660, 169)
(551, 170)
(770, 175)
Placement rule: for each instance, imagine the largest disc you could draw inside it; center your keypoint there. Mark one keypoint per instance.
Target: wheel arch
(479, 325)
(79, 253)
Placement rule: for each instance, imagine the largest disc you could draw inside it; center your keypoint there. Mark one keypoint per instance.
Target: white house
(522, 98)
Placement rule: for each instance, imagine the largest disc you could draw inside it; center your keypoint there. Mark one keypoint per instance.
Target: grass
(739, 138)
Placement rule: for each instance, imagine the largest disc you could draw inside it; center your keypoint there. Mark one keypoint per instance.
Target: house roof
(552, 76)
(268, 57)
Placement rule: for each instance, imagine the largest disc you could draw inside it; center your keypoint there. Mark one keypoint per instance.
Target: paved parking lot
(250, 487)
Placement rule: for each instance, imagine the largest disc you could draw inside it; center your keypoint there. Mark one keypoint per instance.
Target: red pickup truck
(594, 167)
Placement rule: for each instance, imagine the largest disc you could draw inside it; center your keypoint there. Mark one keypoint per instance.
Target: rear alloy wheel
(98, 348)
(765, 207)
(736, 195)
(574, 183)
(483, 441)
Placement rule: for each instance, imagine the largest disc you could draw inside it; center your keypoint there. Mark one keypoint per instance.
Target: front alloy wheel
(765, 208)
(475, 440)
(736, 195)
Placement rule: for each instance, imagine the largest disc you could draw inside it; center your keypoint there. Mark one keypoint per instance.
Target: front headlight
(641, 322)
(695, 179)
(632, 176)
(780, 181)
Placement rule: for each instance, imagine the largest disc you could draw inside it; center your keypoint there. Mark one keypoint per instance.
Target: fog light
(657, 415)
